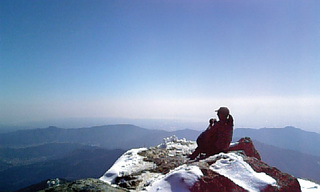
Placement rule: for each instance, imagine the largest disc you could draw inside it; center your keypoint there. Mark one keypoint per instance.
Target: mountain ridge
(287, 138)
(119, 136)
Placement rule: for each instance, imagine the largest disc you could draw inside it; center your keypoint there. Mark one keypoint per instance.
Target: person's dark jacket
(224, 131)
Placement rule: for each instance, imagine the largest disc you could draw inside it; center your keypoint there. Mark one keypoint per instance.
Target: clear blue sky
(164, 59)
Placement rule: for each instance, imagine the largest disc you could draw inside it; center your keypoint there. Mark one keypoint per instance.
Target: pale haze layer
(161, 60)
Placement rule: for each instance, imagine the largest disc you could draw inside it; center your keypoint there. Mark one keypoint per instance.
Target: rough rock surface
(285, 181)
(212, 181)
(164, 162)
(245, 145)
(88, 185)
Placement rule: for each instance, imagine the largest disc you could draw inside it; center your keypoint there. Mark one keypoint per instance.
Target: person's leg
(211, 151)
(195, 153)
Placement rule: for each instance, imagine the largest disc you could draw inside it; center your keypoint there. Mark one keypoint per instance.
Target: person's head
(223, 113)
(211, 121)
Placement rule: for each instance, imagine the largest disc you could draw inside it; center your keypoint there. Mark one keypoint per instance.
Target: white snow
(175, 145)
(233, 167)
(179, 179)
(234, 144)
(308, 186)
(129, 163)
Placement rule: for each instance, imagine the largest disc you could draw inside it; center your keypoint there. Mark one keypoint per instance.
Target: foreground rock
(88, 185)
(167, 168)
(245, 145)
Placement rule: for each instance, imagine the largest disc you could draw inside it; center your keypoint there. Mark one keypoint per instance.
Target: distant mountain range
(31, 156)
(125, 136)
(286, 138)
(110, 136)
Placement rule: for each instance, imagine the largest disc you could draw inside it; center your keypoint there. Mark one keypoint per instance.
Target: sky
(168, 59)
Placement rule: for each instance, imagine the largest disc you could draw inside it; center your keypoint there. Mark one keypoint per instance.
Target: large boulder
(285, 181)
(212, 181)
(240, 177)
(246, 145)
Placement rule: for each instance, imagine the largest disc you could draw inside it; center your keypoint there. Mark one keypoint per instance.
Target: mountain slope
(27, 155)
(81, 163)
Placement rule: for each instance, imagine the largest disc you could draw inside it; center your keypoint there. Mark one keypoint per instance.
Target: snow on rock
(308, 186)
(233, 167)
(129, 163)
(180, 179)
(138, 168)
(175, 145)
(167, 168)
(246, 145)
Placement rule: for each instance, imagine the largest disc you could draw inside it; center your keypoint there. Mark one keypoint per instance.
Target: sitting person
(217, 137)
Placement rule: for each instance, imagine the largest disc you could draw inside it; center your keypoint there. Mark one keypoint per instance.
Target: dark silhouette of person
(217, 137)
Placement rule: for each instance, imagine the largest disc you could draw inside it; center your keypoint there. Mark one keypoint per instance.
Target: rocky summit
(167, 168)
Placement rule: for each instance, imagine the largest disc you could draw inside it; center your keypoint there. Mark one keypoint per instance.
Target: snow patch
(180, 179)
(308, 186)
(129, 163)
(236, 169)
(175, 145)
(234, 144)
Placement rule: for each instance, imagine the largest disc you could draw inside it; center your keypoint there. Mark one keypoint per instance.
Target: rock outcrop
(285, 181)
(82, 185)
(213, 181)
(246, 145)
(167, 167)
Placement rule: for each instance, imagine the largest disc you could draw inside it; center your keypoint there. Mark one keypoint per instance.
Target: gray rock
(88, 185)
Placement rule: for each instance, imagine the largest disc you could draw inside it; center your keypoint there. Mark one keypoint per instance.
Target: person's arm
(230, 120)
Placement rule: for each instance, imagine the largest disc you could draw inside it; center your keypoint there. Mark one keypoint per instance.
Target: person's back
(216, 138)
(224, 134)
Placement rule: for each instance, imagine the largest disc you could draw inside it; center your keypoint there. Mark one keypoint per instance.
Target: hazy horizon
(177, 60)
(159, 124)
